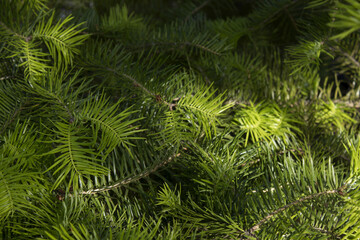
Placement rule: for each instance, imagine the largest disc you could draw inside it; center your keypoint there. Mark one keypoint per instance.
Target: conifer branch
(13, 117)
(292, 19)
(345, 54)
(131, 179)
(279, 210)
(285, 7)
(178, 45)
(347, 103)
(197, 9)
(201, 47)
(327, 232)
(62, 103)
(137, 84)
(142, 87)
(279, 81)
(351, 58)
(11, 32)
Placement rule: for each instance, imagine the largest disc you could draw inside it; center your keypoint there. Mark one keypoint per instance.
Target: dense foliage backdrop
(179, 119)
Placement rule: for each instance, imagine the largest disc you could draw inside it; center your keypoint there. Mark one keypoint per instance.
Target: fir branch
(13, 117)
(75, 157)
(292, 19)
(202, 72)
(61, 42)
(197, 9)
(11, 32)
(62, 103)
(88, 137)
(131, 179)
(299, 201)
(285, 7)
(136, 83)
(34, 60)
(321, 230)
(133, 80)
(177, 45)
(201, 47)
(347, 55)
(346, 103)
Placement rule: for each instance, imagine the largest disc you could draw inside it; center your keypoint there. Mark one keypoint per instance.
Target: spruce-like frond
(232, 29)
(352, 146)
(61, 41)
(192, 119)
(32, 58)
(15, 185)
(36, 5)
(115, 128)
(18, 182)
(349, 226)
(121, 22)
(189, 39)
(260, 122)
(193, 116)
(287, 215)
(176, 130)
(330, 114)
(20, 147)
(205, 108)
(10, 105)
(306, 55)
(76, 158)
(346, 17)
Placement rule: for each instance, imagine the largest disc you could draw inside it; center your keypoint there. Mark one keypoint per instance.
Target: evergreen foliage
(192, 119)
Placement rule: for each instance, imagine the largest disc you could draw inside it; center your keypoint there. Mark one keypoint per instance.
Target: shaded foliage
(193, 119)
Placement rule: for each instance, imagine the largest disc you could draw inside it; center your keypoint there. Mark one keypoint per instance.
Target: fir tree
(191, 119)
